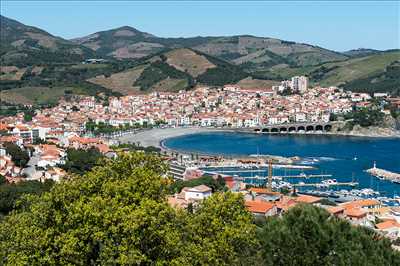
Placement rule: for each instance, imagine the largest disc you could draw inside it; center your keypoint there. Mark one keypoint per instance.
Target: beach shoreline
(156, 136)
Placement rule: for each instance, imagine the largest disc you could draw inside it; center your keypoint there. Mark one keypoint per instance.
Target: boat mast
(270, 175)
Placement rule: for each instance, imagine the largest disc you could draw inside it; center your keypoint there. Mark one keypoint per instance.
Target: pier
(285, 176)
(351, 184)
(384, 174)
(258, 167)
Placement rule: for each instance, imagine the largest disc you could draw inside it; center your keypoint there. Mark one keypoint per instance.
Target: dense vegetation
(11, 193)
(224, 73)
(308, 235)
(364, 117)
(117, 214)
(80, 161)
(19, 156)
(158, 71)
(136, 147)
(386, 81)
(215, 184)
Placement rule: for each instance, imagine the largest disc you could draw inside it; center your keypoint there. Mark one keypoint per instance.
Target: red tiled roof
(258, 206)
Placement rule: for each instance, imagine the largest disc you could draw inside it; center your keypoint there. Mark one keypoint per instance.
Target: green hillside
(23, 45)
(172, 70)
(343, 72)
(357, 68)
(386, 81)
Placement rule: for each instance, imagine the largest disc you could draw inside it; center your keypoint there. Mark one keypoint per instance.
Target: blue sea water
(329, 154)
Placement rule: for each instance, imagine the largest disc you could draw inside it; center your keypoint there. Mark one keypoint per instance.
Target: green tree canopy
(80, 160)
(215, 184)
(10, 193)
(20, 157)
(308, 235)
(117, 215)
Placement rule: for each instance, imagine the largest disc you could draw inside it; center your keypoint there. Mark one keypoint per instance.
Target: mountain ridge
(34, 62)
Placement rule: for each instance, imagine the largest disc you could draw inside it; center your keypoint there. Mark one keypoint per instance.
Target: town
(86, 123)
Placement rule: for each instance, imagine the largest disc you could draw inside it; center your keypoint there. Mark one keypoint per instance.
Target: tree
(11, 193)
(215, 184)
(117, 215)
(3, 180)
(19, 157)
(308, 235)
(28, 115)
(221, 232)
(80, 161)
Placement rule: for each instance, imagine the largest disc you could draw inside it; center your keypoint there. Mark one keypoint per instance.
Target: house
(189, 196)
(197, 193)
(356, 216)
(307, 199)
(261, 208)
(336, 211)
(389, 228)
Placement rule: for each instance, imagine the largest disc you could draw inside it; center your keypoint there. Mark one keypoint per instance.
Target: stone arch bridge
(317, 127)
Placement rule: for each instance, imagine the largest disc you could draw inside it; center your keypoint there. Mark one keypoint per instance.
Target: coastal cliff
(390, 127)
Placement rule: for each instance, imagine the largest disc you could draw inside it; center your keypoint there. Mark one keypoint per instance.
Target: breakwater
(384, 174)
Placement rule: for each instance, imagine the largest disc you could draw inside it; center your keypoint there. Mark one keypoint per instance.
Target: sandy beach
(155, 136)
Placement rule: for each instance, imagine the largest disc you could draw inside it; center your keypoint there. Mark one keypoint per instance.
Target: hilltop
(38, 67)
(249, 51)
(26, 45)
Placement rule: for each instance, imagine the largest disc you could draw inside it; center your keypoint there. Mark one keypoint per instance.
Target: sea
(345, 158)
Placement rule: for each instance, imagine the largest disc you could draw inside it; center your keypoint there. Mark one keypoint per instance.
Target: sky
(337, 25)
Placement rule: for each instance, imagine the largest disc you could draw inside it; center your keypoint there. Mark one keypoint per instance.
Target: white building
(197, 193)
(299, 83)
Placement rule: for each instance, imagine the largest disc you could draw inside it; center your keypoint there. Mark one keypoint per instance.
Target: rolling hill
(249, 51)
(35, 63)
(172, 70)
(23, 45)
(337, 73)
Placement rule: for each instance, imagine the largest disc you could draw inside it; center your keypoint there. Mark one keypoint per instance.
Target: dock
(258, 166)
(351, 184)
(285, 176)
(384, 174)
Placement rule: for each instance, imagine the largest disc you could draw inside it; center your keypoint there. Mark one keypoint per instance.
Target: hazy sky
(338, 25)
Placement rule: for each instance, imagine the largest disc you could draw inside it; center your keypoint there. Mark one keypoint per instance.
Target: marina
(345, 159)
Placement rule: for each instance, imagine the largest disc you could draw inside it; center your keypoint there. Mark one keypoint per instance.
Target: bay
(346, 158)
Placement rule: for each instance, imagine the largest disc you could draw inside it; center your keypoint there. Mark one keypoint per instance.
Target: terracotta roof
(355, 212)
(258, 206)
(263, 191)
(285, 203)
(360, 203)
(335, 209)
(387, 224)
(307, 199)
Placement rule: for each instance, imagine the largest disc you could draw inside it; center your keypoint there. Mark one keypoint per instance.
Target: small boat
(329, 182)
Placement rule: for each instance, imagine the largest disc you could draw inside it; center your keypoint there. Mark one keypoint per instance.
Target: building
(261, 208)
(299, 83)
(197, 193)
